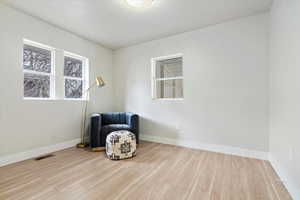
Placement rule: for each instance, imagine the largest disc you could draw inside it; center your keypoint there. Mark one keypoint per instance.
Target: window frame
(51, 75)
(84, 79)
(154, 79)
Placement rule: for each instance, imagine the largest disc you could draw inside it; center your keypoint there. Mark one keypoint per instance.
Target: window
(41, 79)
(167, 77)
(38, 70)
(75, 76)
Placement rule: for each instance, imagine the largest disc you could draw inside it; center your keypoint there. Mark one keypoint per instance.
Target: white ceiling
(113, 24)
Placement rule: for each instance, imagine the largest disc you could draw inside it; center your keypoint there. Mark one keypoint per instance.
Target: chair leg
(96, 149)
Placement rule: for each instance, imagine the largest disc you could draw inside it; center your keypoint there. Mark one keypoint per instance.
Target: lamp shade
(100, 82)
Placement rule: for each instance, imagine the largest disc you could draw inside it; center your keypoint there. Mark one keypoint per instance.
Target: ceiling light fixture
(139, 3)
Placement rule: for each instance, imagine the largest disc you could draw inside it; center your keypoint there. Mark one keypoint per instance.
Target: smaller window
(75, 76)
(38, 69)
(167, 77)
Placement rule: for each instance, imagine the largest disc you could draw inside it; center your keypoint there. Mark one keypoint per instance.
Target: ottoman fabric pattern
(120, 145)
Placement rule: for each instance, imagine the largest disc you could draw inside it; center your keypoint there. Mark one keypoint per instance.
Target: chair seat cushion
(115, 127)
(120, 145)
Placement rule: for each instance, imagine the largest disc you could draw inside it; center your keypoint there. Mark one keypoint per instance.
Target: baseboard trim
(209, 147)
(294, 192)
(6, 160)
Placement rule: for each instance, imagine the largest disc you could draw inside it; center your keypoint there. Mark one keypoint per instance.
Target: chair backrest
(113, 118)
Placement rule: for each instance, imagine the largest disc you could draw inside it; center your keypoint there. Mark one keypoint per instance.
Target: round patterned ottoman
(120, 145)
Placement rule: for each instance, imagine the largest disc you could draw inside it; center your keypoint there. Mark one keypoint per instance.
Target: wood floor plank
(158, 172)
(203, 185)
(222, 181)
(274, 181)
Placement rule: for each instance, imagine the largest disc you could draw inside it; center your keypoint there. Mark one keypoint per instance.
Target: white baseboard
(209, 147)
(294, 192)
(6, 160)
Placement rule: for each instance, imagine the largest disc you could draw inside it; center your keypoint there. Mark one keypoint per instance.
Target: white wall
(284, 92)
(225, 85)
(25, 125)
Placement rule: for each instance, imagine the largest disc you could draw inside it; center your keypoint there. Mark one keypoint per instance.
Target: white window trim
(85, 76)
(51, 75)
(154, 79)
(169, 78)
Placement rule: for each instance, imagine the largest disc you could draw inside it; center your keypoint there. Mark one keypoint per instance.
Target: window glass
(169, 68)
(36, 85)
(73, 67)
(36, 59)
(167, 77)
(74, 75)
(38, 70)
(73, 88)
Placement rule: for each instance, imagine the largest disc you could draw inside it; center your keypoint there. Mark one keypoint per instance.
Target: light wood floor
(158, 172)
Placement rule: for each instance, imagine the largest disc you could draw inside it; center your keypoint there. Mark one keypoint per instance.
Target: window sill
(52, 99)
(38, 99)
(67, 99)
(169, 99)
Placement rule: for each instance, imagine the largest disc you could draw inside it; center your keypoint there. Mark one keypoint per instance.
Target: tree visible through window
(41, 78)
(74, 73)
(38, 70)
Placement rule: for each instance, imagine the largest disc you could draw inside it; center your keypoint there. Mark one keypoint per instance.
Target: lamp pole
(99, 83)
